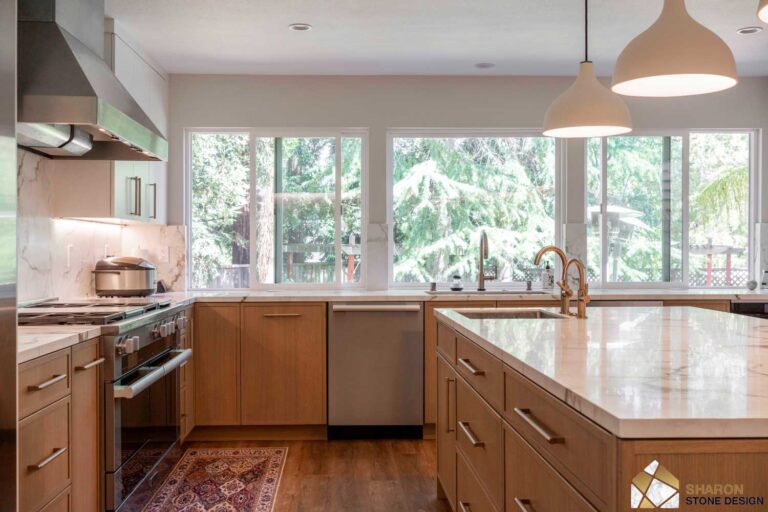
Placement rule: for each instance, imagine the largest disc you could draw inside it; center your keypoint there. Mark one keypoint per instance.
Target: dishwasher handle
(377, 308)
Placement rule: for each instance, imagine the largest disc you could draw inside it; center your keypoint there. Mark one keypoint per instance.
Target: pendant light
(762, 10)
(676, 56)
(587, 108)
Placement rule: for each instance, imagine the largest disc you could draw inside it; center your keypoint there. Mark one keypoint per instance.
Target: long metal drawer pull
(524, 505)
(49, 382)
(474, 370)
(464, 506)
(55, 455)
(473, 440)
(448, 423)
(282, 315)
(382, 308)
(92, 364)
(548, 436)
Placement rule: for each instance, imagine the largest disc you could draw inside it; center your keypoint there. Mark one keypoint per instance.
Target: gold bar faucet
(565, 290)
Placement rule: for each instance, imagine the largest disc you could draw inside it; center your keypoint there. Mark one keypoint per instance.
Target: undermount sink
(488, 292)
(527, 314)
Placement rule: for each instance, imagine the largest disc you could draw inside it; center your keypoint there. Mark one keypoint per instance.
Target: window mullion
(252, 250)
(337, 210)
(603, 211)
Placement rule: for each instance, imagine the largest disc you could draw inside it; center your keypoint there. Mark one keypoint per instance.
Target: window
(447, 190)
(643, 227)
(268, 210)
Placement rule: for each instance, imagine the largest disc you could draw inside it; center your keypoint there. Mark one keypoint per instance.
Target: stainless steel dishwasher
(375, 370)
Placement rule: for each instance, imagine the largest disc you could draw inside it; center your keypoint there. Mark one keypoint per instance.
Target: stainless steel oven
(141, 408)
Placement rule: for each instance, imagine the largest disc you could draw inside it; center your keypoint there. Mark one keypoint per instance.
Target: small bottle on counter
(548, 278)
(456, 284)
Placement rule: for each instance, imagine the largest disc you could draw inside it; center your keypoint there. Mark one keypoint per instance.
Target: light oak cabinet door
(283, 364)
(446, 429)
(86, 411)
(61, 503)
(430, 351)
(217, 364)
(533, 485)
(45, 455)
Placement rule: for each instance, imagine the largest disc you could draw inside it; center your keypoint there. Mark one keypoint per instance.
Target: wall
(379, 103)
(56, 256)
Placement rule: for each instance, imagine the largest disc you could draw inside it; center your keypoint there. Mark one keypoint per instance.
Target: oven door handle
(135, 389)
(180, 356)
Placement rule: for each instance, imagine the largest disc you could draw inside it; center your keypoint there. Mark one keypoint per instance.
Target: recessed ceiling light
(300, 27)
(747, 31)
(485, 65)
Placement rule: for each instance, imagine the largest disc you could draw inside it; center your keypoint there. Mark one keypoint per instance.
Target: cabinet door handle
(474, 370)
(134, 210)
(464, 506)
(282, 315)
(138, 196)
(154, 200)
(92, 364)
(55, 455)
(473, 440)
(49, 382)
(448, 423)
(524, 505)
(543, 431)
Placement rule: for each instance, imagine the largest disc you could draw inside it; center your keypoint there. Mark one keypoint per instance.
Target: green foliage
(447, 191)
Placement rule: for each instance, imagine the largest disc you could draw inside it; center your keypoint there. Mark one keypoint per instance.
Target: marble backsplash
(56, 256)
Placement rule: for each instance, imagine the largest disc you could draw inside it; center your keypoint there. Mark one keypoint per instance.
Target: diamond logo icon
(655, 487)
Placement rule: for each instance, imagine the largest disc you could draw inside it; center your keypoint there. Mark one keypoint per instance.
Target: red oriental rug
(222, 480)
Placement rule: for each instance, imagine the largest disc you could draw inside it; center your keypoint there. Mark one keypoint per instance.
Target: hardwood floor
(355, 476)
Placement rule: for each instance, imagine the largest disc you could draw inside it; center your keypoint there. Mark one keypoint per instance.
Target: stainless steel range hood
(71, 105)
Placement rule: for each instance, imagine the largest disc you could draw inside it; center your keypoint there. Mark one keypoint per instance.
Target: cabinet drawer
(61, 503)
(470, 496)
(43, 381)
(532, 484)
(583, 452)
(446, 342)
(44, 455)
(482, 370)
(479, 436)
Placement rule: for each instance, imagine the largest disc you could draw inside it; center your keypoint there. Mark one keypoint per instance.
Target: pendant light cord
(586, 30)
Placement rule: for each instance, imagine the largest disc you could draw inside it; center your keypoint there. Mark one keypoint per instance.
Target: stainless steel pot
(125, 276)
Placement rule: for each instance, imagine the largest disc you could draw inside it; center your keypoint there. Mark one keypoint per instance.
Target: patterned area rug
(222, 480)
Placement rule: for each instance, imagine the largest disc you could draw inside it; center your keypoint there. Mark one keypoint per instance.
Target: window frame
(685, 134)
(438, 133)
(262, 132)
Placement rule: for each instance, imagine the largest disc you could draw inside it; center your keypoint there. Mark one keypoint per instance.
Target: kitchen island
(629, 408)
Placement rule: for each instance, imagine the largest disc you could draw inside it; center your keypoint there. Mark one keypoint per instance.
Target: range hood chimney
(71, 105)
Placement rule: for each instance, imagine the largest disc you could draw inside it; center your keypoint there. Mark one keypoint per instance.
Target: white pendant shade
(587, 109)
(676, 56)
(762, 10)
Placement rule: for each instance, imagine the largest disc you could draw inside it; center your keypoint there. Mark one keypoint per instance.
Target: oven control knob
(171, 327)
(156, 331)
(164, 330)
(181, 322)
(127, 345)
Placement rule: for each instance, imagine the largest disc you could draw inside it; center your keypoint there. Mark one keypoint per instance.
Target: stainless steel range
(141, 345)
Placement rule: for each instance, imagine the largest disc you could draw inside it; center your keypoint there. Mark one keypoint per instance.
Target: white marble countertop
(736, 294)
(643, 372)
(36, 341)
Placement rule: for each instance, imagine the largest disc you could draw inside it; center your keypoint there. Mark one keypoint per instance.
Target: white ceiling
(411, 37)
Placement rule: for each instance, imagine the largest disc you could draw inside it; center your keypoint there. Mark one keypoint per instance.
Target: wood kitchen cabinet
(61, 431)
(187, 379)
(430, 351)
(283, 364)
(87, 434)
(445, 430)
(715, 305)
(217, 364)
